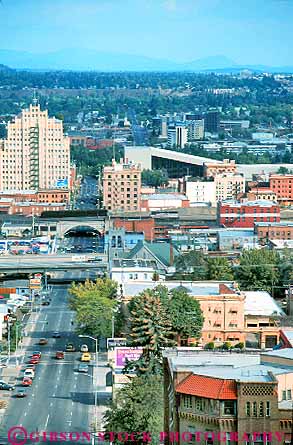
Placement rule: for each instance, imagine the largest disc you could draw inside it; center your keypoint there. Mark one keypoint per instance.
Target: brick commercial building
(246, 214)
(270, 231)
(216, 398)
(211, 169)
(282, 185)
(122, 187)
(141, 223)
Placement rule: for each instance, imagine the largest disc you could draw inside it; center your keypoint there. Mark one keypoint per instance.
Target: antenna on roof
(35, 99)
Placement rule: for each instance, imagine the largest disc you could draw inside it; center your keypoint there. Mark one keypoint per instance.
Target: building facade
(36, 153)
(274, 230)
(198, 190)
(177, 136)
(282, 185)
(122, 187)
(195, 130)
(246, 214)
(229, 185)
(211, 169)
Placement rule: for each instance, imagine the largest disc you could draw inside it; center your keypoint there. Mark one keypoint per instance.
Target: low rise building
(163, 201)
(129, 271)
(213, 168)
(266, 231)
(211, 398)
(282, 185)
(228, 185)
(230, 315)
(246, 214)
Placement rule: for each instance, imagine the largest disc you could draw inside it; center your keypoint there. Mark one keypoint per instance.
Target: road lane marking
(25, 414)
(46, 424)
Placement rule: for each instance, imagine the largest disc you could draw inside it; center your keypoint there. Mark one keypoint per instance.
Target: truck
(79, 258)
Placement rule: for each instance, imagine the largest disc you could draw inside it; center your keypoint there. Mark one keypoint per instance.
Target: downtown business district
(207, 393)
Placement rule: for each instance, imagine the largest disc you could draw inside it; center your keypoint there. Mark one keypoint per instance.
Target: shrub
(210, 346)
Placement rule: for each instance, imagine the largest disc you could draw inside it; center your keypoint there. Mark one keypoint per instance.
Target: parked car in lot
(43, 341)
(37, 354)
(34, 361)
(59, 355)
(70, 347)
(84, 348)
(56, 334)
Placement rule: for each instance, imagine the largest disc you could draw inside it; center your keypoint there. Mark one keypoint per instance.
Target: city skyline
(246, 33)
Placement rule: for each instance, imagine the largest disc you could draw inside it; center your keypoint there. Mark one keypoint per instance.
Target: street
(60, 399)
(87, 197)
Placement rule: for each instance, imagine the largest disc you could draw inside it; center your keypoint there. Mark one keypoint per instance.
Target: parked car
(27, 381)
(6, 386)
(84, 348)
(86, 357)
(70, 347)
(21, 393)
(56, 334)
(83, 368)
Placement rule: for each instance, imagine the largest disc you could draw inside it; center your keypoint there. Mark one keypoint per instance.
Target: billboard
(124, 355)
(35, 283)
(62, 182)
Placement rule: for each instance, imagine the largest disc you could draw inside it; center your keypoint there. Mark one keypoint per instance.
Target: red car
(36, 354)
(59, 355)
(27, 381)
(34, 361)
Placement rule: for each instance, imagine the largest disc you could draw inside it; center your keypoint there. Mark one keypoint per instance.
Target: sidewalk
(103, 393)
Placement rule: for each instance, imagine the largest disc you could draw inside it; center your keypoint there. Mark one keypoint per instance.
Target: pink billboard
(124, 354)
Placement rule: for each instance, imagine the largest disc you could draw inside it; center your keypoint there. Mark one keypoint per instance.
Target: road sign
(35, 283)
(114, 342)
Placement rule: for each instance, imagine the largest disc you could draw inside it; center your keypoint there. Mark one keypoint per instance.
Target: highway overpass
(38, 263)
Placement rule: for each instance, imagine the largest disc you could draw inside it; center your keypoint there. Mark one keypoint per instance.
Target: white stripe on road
(46, 424)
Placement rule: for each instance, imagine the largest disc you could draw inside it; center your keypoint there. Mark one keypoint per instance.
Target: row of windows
(255, 409)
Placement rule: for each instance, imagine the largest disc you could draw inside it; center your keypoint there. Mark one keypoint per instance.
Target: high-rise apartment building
(122, 186)
(177, 136)
(212, 121)
(35, 155)
(195, 130)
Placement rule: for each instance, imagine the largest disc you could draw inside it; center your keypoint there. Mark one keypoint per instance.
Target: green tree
(138, 407)
(95, 306)
(258, 269)
(150, 328)
(219, 269)
(185, 315)
(193, 263)
(154, 178)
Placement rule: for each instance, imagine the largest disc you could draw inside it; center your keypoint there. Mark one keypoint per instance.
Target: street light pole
(95, 380)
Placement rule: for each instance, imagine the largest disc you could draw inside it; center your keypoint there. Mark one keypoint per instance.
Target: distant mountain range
(91, 60)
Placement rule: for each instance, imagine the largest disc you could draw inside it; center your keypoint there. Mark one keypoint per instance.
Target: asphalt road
(87, 194)
(60, 398)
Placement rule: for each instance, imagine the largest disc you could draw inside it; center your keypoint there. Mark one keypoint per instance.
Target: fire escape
(34, 157)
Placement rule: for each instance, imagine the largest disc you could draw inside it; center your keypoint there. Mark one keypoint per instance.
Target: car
(6, 386)
(21, 393)
(45, 303)
(37, 354)
(29, 373)
(85, 357)
(83, 368)
(34, 361)
(29, 367)
(84, 348)
(69, 347)
(59, 355)
(43, 341)
(56, 334)
(27, 381)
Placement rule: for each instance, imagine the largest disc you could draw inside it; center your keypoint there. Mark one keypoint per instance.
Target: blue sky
(247, 31)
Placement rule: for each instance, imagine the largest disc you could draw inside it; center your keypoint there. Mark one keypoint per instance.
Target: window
(261, 409)
(283, 395)
(248, 413)
(187, 401)
(268, 409)
(289, 394)
(254, 409)
(229, 408)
